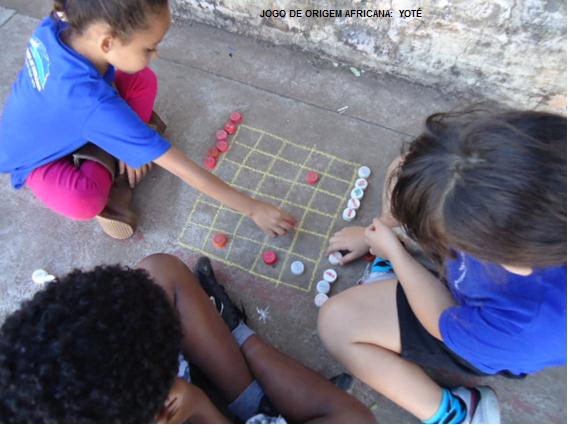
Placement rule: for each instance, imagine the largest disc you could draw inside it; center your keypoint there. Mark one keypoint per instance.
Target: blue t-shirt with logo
(59, 103)
(503, 321)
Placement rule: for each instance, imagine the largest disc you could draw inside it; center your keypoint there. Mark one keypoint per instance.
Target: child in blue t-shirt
(83, 100)
(485, 196)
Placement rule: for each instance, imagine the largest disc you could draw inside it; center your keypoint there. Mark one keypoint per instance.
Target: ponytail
(59, 10)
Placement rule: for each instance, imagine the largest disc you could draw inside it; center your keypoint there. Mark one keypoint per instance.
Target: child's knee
(80, 206)
(330, 321)
(149, 80)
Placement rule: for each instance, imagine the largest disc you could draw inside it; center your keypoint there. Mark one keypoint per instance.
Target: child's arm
(427, 296)
(187, 402)
(270, 219)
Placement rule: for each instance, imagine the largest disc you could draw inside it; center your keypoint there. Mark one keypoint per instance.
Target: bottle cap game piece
(220, 240)
(323, 287)
(222, 146)
(335, 258)
(330, 275)
(320, 299)
(361, 183)
(349, 214)
(230, 128)
(236, 118)
(210, 162)
(221, 135)
(214, 152)
(312, 177)
(353, 203)
(357, 193)
(364, 172)
(297, 268)
(270, 258)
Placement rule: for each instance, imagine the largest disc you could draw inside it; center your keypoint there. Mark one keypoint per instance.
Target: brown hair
(491, 185)
(123, 16)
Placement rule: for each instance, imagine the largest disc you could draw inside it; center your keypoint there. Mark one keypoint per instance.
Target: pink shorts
(82, 193)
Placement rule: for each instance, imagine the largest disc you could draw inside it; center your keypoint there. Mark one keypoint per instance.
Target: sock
(246, 405)
(241, 333)
(452, 410)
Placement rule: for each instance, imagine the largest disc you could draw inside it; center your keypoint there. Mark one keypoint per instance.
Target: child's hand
(350, 239)
(271, 220)
(178, 406)
(381, 239)
(135, 175)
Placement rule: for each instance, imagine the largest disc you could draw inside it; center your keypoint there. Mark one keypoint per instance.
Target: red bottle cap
(230, 128)
(210, 162)
(214, 152)
(220, 240)
(221, 135)
(270, 257)
(312, 177)
(236, 118)
(222, 146)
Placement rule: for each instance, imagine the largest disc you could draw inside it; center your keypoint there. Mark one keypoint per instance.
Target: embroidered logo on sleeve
(37, 63)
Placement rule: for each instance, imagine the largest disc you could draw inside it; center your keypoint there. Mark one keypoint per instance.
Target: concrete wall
(510, 51)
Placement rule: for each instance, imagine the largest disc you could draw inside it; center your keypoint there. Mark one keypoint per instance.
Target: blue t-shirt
(59, 103)
(506, 322)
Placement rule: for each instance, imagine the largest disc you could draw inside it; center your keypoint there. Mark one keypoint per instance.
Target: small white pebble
(40, 277)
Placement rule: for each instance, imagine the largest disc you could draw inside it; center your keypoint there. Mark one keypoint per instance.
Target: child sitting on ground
(485, 195)
(65, 123)
(103, 347)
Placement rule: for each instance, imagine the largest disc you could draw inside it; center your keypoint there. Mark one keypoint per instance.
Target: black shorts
(420, 347)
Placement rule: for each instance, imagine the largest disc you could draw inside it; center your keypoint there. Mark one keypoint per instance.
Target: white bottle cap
(335, 258)
(364, 172)
(297, 268)
(357, 193)
(349, 214)
(330, 275)
(353, 203)
(320, 299)
(361, 184)
(323, 287)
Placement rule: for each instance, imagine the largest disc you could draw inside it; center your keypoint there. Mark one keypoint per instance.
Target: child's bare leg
(366, 340)
(386, 215)
(297, 392)
(207, 342)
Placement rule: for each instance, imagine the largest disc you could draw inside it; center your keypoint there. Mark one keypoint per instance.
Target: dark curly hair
(93, 347)
(490, 184)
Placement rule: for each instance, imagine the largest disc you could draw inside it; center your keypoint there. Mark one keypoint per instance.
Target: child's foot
(157, 124)
(380, 269)
(117, 219)
(481, 403)
(231, 314)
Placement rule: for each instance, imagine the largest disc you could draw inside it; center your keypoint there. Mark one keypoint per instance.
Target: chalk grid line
(282, 201)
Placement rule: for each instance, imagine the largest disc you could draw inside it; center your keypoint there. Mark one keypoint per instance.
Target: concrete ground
(205, 74)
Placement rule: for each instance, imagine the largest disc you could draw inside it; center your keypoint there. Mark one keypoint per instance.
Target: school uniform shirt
(503, 321)
(60, 102)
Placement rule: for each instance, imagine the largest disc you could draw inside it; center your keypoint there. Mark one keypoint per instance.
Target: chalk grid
(273, 169)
